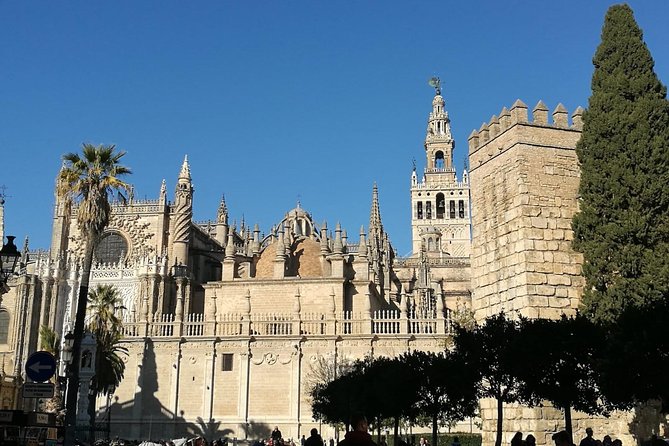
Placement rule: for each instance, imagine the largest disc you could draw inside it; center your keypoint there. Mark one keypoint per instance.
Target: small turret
(222, 222)
(338, 247)
(183, 214)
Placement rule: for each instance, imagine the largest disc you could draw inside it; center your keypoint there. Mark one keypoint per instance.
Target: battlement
(513, 126)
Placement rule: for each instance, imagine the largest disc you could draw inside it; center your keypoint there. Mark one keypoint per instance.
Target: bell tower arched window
(441, 205)
(419, 210)
(439, 160)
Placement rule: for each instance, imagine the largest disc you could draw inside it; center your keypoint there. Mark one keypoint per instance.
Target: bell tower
(440, 219)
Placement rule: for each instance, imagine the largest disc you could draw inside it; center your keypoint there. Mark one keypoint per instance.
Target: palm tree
(49, 342)
(104, 302)
(89, 181)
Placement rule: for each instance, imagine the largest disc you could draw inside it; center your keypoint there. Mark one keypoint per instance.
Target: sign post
(40, 366)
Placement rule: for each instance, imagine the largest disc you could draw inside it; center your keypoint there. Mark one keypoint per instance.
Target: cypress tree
(622, 228)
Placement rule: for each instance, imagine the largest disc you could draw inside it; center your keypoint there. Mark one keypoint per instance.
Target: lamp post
(9, 256)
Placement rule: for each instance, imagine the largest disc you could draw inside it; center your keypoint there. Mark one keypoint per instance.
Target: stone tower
(439, 202)
(526, 179)
(183, 214)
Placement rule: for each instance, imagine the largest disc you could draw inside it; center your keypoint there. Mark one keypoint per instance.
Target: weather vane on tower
(435, 83)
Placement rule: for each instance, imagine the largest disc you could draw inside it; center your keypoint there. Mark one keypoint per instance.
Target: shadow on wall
(647, 420)
(257, 431)
(146, 418)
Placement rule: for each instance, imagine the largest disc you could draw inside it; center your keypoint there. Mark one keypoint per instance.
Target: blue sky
(275, 101)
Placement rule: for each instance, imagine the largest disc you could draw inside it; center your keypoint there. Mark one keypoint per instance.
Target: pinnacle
(185, 169)
(375, 213)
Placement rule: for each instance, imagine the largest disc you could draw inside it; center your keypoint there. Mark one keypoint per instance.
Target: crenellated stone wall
(524, 175)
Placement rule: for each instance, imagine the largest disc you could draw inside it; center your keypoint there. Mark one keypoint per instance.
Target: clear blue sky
(275, 100)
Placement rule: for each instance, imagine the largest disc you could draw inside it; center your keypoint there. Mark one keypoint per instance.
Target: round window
(111, 248)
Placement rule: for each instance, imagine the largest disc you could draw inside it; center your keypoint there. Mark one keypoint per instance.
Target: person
(588, 440)
(530, 440)
(423, 442)
(276, 435)
(607, 440)
(561, 438)
(617, 442)
(314, 439)
(517, 439)
(302, 440)
(359, 435)
(383, 441)
(456, 441)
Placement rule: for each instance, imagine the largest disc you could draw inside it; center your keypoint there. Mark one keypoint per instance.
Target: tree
(104, 302)
(335, 401)
(49, 342)
(493, 351)
(622, 228)
(89, 181)
(562, 358)
(636, 358)
(394, 382)
(446, 387)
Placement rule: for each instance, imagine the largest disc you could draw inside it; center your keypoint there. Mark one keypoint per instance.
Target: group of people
(562, 438)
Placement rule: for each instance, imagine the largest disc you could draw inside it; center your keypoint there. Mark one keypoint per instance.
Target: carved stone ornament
(136, 232)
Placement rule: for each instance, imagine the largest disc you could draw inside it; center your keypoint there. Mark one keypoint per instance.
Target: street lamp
(68, 342)
(9, 255)
(179, 270)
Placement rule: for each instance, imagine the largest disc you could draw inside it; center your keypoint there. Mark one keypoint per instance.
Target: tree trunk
(73, 368)
(396, 429)
(500, 413)
(567, 422)
(434, 429)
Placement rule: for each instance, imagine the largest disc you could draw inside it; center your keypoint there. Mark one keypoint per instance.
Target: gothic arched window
(4, 327)
(111, 248)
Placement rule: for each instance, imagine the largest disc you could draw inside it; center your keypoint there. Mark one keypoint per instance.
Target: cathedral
(227, 328)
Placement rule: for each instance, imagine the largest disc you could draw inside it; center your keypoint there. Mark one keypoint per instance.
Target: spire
(222, 214)
(375, 214)
(185, 170)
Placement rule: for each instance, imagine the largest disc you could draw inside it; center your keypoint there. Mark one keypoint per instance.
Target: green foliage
(91, 180)
(562, 368)
(48, 340)
(440, 387)
(466, 439)
(622, 228)
(494, 351)
(635, 359)
(104, 302)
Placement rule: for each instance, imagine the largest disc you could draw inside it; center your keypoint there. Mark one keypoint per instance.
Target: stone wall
(524, 177)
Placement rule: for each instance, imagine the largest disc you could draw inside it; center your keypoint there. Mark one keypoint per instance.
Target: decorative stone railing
(432, 261)
(385, 322)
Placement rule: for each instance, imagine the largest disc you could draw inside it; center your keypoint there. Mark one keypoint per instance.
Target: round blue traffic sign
(40, 366)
